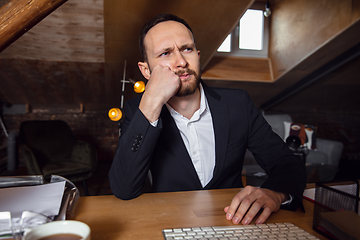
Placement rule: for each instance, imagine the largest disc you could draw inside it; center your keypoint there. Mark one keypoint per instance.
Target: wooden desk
(145, 216)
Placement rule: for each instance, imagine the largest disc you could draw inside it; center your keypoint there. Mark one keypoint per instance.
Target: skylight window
(251, 30)
(226, 45)
(250, 37)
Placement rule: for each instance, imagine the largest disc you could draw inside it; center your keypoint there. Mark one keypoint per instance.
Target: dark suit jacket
(238, 125)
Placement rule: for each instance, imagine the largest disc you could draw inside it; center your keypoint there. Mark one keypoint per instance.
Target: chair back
(276, 122)
(49, 140)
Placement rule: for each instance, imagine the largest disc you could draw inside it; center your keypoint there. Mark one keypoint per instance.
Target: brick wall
(94, 127)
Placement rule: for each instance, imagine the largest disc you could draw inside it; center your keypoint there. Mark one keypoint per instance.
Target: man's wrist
(150, 109)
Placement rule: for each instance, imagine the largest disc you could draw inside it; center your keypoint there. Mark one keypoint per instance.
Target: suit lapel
(220, 118)
(173, 138)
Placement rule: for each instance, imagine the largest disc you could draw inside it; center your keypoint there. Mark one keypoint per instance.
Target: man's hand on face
(162, 85)
(249, 201)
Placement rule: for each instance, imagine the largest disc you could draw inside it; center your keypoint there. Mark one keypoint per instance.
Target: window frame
(235, 51)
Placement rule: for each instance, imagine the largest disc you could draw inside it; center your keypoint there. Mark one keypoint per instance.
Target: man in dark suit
(193, 137)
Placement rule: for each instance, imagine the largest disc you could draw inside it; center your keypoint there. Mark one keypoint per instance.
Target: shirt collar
(204, 106)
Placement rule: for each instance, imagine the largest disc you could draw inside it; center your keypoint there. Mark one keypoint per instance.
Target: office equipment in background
(336, 209)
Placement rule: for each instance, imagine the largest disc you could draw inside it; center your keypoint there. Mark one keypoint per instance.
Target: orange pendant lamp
(115, 114)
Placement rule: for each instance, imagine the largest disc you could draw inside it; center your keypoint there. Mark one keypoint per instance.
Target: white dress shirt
(198, 137)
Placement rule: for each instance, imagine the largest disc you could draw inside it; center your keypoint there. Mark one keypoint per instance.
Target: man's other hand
(249, 201)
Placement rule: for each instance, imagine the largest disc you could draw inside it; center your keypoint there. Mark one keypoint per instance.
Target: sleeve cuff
(288, 201)
(154, 124)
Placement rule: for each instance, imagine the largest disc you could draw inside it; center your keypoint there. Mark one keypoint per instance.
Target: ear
(198, 53)
(144, 69)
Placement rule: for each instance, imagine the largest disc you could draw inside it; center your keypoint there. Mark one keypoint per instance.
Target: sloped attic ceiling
(77, 54)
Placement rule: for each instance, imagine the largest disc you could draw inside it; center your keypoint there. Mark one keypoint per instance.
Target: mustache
(185, 71)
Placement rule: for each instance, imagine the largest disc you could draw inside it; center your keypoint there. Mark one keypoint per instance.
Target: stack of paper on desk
(45, 199)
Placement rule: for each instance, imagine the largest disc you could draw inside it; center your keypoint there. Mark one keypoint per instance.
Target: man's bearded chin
(188, 88)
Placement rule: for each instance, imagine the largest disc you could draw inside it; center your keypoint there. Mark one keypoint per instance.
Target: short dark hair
(163, 17)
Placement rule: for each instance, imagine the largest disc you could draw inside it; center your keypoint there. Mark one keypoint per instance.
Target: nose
(180, 61)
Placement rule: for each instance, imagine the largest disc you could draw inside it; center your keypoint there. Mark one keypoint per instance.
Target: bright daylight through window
(249, 38)
(251, 30)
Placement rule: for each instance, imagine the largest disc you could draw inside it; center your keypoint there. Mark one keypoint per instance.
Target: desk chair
(328, 153)
(50, 148)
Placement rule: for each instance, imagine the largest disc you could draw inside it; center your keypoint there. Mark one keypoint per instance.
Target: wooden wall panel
(355, 10)
(74, 32)
(3, 2)
(19, 16)
(238, 69)
(336, 92)
(300, 27)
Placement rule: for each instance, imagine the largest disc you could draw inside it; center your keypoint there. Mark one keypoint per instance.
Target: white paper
(44, 199)
(310, 193)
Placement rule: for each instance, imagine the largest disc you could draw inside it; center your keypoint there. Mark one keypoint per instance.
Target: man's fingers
(240, 204)
(252, 211)
(234, 205)
(264, 215)
(246, 209)
(249, 202)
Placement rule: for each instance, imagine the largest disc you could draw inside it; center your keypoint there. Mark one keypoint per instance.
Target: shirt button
(194, 152)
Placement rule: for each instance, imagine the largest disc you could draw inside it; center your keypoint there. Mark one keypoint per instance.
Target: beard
(189, 87)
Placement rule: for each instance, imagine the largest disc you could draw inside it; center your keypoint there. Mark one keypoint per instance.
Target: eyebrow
(187, 45)
(166, 50)
(182, 47)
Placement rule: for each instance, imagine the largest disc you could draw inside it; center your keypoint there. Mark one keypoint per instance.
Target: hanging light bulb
(115, 114)
(139, 87)
(267, 11)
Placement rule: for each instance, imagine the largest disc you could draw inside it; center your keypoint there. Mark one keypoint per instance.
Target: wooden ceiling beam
(19, 16)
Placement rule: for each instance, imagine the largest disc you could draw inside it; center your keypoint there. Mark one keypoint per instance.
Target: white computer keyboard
(261, 231)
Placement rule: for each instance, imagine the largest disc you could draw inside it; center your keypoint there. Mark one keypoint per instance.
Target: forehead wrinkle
(152, 37)
(187, 45)
(181, 47)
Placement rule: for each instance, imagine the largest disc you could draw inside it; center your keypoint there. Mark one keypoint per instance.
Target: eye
(164, 54)
(189, 49)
